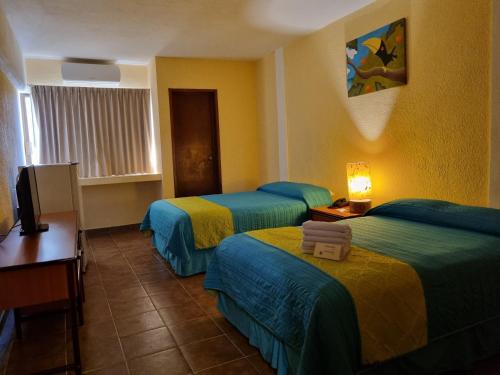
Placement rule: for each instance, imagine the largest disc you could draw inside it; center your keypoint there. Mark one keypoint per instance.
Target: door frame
(215, 115)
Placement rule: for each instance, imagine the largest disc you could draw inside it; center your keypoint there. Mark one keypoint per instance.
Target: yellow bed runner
(211, 222)
(387, 293)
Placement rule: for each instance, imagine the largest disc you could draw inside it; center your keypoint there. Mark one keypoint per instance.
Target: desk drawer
(33, 285)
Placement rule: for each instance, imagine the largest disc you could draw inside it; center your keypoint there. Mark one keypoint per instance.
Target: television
(29, 204)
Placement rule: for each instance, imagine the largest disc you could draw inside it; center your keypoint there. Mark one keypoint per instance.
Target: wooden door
(195, 142)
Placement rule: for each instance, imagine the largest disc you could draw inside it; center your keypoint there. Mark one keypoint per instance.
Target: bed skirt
(197, 263)
(456, 351)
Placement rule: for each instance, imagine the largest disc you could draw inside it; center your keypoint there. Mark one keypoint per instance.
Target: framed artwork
(377, 60)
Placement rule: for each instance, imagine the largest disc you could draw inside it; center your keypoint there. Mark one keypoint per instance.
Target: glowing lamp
(360, 187)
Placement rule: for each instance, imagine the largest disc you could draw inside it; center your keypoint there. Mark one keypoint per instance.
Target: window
(30, 129)
(107, 131)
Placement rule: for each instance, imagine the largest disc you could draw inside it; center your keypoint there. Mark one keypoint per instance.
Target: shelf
(125, 179)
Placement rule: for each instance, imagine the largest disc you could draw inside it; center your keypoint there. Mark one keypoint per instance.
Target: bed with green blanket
(419, 293)
(186, 230)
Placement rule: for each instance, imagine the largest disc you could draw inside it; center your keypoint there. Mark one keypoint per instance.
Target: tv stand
(44, 268)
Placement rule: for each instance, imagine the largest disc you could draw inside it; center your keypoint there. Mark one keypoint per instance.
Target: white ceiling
(133, 31)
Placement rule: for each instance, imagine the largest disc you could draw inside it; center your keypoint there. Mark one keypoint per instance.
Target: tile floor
(140, 319)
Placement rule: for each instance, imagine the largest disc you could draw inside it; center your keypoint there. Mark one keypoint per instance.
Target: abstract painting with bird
(377, 60)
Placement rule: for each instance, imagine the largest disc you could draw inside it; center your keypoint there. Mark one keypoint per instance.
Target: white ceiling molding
(133, 31)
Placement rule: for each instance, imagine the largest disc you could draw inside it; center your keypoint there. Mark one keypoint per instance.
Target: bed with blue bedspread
(419, 293)
(186, 230)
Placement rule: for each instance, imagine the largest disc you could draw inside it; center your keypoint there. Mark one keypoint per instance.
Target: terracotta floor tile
(117, 276)
(103, 242)
(94, 293)
(99, 353)
(124, 308)
(31, 348)
(97, 233)
(118, 369)
(139, 251)
(260, 365)
(139, 269)
(128, 241)
(157, 276)
(208, 303)
(180, 313)
(126, 234)
(194, 284)
(224, 324)
(126, 293)
(138, 323)
(140, 258)
(241, 342)
(31, 366)
(171, 298)
(147, 342)
(112, 263)
(129, 281)
(201, 355)
(44, 325)
(91, 276)
(113, 268)
(239, 367)
(92, 330)
(162, 286)
(168, 362)
(194, 330)
(96, 311)
(144, 243)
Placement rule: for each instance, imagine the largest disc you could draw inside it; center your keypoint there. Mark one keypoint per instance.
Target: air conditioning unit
(90, 73)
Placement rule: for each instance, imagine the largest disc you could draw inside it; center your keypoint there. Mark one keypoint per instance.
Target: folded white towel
(323, 225)
(307, 248)
(327, 233)
(308, 244)
(340, 241)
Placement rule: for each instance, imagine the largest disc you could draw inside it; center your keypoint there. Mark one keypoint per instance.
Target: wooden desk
(42, 268)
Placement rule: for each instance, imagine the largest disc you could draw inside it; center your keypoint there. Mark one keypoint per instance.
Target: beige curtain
(106, 130)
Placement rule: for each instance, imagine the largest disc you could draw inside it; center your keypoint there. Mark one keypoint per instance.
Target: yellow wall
(11, 146)
(235, 82)
(118, 204)
(267, 118)
(495, 108)
(429, 138)
(11, 149)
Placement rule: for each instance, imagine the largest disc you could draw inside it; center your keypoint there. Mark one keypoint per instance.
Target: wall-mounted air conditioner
(90, 73)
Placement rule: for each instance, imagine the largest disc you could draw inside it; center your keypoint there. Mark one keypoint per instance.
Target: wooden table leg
(18, 323)
(73, 316)
(81, 289)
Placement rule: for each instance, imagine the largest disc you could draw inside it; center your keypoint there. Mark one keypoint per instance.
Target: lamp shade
(358, 181)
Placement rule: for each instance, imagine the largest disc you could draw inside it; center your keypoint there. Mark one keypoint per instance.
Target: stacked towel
(326, 232)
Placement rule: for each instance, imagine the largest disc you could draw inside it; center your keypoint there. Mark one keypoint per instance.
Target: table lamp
(360, 187)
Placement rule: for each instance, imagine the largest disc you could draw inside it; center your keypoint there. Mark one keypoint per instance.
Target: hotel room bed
(418, 293)
(186, 230)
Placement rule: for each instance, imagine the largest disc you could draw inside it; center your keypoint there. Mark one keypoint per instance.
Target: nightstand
(331, 214)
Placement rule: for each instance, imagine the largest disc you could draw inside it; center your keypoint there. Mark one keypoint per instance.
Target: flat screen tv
(29, 204)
